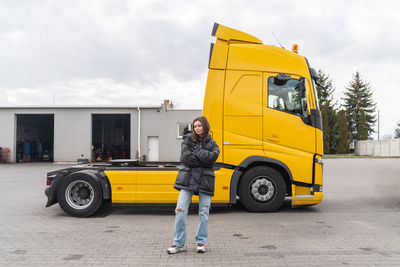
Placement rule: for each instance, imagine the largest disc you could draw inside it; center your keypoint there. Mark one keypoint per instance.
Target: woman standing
(196, 177)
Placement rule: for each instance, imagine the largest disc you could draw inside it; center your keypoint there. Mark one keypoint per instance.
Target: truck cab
(262, 105)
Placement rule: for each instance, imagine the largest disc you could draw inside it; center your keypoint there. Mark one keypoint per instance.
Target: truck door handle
(273, 137)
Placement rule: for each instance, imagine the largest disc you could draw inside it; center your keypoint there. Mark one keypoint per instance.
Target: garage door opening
(35, 137)
(111, 136)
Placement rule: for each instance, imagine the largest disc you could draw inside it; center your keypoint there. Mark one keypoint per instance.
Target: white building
(67, 134)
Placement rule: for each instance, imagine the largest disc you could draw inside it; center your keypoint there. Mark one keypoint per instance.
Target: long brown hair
(206, 128)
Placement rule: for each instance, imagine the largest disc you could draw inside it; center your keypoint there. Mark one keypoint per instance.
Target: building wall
(8, 131)
(73, 130)
(74, 127)
(164, 124)
(71, 135)
(378, 147)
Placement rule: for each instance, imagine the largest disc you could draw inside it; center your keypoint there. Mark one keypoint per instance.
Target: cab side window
(287, 97)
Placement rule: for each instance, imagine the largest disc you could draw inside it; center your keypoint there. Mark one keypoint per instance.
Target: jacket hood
(187, 136)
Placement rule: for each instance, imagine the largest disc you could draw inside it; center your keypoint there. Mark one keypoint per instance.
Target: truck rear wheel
(79, 195)
(262, 189)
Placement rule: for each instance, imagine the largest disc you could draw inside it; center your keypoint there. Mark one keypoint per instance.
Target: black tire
(79, 195)
(262, 189)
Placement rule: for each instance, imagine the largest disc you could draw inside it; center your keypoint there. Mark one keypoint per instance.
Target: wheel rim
(79, 194)
(262, 189)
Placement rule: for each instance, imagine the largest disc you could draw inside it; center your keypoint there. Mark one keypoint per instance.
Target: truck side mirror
(315, 76)
(281, 79)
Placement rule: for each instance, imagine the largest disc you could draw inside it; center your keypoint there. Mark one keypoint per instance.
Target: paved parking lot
(358, 223)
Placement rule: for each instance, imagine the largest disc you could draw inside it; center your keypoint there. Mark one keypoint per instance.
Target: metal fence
(378, 147)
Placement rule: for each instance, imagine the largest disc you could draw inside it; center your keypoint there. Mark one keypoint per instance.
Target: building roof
(78, 107)
(96, 107)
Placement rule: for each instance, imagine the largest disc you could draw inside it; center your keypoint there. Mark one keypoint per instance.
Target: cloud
(189, 94)
(148, 50)
(95, 39)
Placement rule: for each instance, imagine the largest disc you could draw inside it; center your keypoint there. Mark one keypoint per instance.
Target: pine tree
(325, 90)
(343, 142)
(328, 112)
(397, 131)
(358, 96)
(362, 131)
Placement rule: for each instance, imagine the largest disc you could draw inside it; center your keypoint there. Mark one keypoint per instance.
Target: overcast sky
(141, 52)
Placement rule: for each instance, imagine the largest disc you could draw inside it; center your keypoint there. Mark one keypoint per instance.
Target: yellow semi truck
(262, 106)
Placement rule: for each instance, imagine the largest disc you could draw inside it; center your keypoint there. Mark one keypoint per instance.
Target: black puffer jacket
(196, 173)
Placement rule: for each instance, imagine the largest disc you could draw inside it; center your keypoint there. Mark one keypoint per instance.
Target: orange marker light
(119, 187)
(295, 48)
(224, 188)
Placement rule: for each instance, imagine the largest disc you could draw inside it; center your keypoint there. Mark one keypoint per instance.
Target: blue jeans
(181, 212)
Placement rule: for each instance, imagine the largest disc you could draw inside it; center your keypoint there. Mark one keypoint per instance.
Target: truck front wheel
(79, 195)
(262, 189)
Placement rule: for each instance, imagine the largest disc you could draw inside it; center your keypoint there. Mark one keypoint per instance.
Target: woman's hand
(187, 157)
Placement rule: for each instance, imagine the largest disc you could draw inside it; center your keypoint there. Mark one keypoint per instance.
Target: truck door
(286, 135)
(242, 116)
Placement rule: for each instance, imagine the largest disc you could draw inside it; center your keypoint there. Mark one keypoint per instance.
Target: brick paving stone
(357, 224)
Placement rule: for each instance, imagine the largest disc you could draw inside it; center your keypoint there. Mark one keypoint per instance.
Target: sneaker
(175, 249)
(201, 248)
